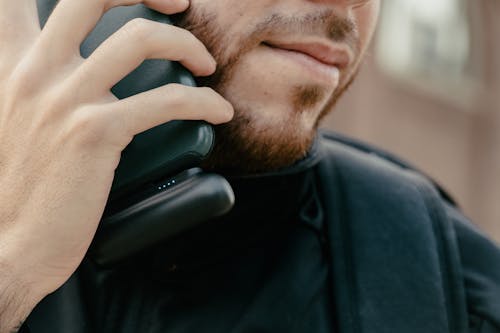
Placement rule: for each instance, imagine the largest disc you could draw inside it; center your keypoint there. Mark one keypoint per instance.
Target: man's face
(282, 64)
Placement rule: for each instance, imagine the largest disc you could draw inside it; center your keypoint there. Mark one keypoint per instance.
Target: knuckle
(208, 90)
(191, 40)
(55, 101)
(108, 4)
(20, 79)
(137, 28)
(211, 94)
(90, 127)
(24, 77)
(176, 94)
(85, 127)
(187, 35)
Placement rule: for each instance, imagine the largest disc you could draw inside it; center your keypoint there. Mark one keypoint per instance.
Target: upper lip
(323, 51)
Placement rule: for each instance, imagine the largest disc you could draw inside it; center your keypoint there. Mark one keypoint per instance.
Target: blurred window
(427, 43)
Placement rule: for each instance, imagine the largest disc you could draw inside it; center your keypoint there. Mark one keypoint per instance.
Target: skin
(276, 119)
(62, 131)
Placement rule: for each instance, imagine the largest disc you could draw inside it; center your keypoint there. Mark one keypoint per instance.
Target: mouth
(321, 61)
(323, 52)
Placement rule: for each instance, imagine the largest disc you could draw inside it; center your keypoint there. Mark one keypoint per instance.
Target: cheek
(269, 95)
(230, 15)
(366, 18)
(227, 22)
(255, 82)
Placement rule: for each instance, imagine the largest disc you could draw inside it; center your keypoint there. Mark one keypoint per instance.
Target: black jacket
(348, 240)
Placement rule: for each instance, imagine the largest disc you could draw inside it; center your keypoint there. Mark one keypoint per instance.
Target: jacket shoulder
(365, 172)
(350, 152)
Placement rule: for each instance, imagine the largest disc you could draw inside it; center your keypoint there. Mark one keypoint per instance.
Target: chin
(249, 146)
(272, 128)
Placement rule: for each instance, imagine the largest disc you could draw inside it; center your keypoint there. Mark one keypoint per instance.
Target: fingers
(139, 40)
(174, 101)
(72, 20)
(168, 7)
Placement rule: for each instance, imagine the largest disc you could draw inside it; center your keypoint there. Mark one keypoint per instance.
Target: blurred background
(430, 92)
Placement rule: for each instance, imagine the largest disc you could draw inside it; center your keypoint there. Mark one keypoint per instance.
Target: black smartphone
(156, 193)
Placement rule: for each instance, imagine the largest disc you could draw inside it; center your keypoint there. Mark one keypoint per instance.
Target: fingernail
(230, 111)
(211, 66)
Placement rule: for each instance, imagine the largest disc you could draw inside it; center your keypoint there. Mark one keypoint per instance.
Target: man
(324, 237)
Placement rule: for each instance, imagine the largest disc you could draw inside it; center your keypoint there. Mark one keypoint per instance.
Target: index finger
(72, 20)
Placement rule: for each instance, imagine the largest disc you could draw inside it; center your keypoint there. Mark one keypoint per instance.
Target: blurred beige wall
(458, 145)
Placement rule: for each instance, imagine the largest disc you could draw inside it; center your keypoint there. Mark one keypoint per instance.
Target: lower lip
(317, 69)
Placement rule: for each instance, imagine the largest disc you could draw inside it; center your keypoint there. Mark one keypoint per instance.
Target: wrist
(17, 299)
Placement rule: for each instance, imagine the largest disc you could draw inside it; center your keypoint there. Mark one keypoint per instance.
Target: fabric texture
(348, 240)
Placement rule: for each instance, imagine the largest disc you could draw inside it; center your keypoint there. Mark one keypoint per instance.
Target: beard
(248, 145)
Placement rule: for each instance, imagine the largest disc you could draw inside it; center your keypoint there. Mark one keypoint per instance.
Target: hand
(62, 131)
